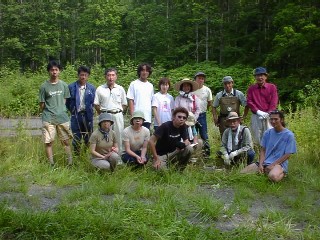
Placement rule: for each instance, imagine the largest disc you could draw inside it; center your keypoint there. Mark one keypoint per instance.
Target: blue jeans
(201, 127)
(81, 128)
(126, 158)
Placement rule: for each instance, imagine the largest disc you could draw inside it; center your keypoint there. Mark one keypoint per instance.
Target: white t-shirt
(136, 139)
(141, 93)
(205, 95)
(164, 104)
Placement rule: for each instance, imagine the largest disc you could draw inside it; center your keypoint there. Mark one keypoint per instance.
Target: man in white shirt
(204, 94)
(140, 93)
(111, 98)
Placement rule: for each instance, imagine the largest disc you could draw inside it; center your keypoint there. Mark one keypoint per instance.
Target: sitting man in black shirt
(169, 144)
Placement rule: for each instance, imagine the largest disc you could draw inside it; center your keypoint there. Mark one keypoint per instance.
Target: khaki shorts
(49, 132)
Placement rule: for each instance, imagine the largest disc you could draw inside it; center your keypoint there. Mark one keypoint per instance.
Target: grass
(40, 202)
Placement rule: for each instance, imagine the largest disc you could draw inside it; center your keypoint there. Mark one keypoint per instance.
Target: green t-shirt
(54, 95)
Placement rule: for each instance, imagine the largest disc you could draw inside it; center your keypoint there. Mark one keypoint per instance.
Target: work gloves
(262, 114)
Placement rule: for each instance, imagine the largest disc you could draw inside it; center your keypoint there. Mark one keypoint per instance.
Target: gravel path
(9, 126)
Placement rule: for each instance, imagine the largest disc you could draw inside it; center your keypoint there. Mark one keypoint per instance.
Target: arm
(261, 159)
(144, 151)
(209, 106)
(246, 111)
(250, 102)
(97, 107)
(96, 154)
(131, 106)
(152, 144)
(197, 110)
(130, 152)
(156, 116)
(215, 116)
(42, 106)
(274, 99)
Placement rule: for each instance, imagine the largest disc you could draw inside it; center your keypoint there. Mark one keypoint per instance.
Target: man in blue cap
(262, 98)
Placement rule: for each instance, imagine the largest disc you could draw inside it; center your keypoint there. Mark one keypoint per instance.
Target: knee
(275, 177)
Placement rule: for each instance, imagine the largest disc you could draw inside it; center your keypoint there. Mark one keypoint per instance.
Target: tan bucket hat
(194, 84)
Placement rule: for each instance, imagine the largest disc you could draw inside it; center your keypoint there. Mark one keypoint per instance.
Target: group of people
(180, 124)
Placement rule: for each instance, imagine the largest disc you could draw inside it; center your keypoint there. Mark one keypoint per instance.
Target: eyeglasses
(182, 117)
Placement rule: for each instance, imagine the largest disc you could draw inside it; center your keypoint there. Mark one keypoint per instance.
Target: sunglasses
(182, 117)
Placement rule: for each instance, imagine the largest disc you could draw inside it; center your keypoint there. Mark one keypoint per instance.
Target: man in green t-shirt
(52, 97)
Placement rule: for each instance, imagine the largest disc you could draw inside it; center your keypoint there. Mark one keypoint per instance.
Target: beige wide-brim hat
(191, 120)
(232, 115)
(194, 84)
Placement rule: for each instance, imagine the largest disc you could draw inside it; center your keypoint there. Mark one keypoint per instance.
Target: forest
(282, 35)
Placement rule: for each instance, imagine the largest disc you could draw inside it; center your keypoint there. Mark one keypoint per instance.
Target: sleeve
(96, 97)
(160, 131)
(242, 99)
(250, 101)
(42, 94)
(216, 101)
(66, 91)
(123, 97)
(209, 95)
(147, 135)
(93, 139)
(274, 98)
(224, 140)
(154, 102)
(125, 136)
(130, 93)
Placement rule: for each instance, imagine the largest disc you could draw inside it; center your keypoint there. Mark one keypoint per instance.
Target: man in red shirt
(262, 98)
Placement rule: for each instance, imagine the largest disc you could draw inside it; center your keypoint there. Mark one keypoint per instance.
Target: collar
(224, 92)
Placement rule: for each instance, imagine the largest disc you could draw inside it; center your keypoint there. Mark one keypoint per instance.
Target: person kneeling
(103, 144)
(193, 137)
(277, 145)
(236, 142)
(135, 141)
(166, 145)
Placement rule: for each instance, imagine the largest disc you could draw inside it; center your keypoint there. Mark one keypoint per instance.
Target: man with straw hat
(236, 142)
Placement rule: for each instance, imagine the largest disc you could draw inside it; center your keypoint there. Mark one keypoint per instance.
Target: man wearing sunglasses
(169, 144)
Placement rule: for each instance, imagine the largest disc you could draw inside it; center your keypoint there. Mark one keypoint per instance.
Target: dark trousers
(202, 128)
(81, 128)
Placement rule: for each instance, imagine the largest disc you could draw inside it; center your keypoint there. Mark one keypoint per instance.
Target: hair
(52, 64)
(181, 86)
(180, 110)
(164, 81)
(281, 115)
(148, 66)
(84, 69)
(110, 70)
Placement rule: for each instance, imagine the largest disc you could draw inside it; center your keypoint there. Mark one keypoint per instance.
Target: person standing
(111, 98)
(277, 145)
(162, 103)
(80, 105)
(52, 97)
(229, 100)
(140, 93)
(204, 94)
(169, 144)
(262, 98)
(236, 142)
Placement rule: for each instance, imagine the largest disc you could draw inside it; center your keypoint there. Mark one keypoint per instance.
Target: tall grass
(40, 202)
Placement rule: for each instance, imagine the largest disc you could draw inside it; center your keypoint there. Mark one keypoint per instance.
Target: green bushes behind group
(19, 91)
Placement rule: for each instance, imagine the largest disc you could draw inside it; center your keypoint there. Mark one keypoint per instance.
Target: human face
(200, 80)
(144, 74)
(137, 122)
(106, 125)
(54, 73)
(234, 124)
(111, 78)
(164, 88)
(260, 79)
(179, 119)
(276, 121)
(186, 87)
(83, 77)
(228, 86)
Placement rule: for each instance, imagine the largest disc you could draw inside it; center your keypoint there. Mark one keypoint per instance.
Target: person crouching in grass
(135, 141)
(236, 142)
(277, 145)
(103, 144)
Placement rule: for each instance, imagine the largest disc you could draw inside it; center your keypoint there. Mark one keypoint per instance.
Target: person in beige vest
(228, 100)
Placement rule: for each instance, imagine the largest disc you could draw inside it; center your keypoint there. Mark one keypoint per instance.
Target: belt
(113, 111)
(82, 112)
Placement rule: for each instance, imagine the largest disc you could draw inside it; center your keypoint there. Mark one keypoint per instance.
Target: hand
(157, 163)
(233, 154)
(267, 169)
(226, 159)
(262, 114)
(261, 169)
